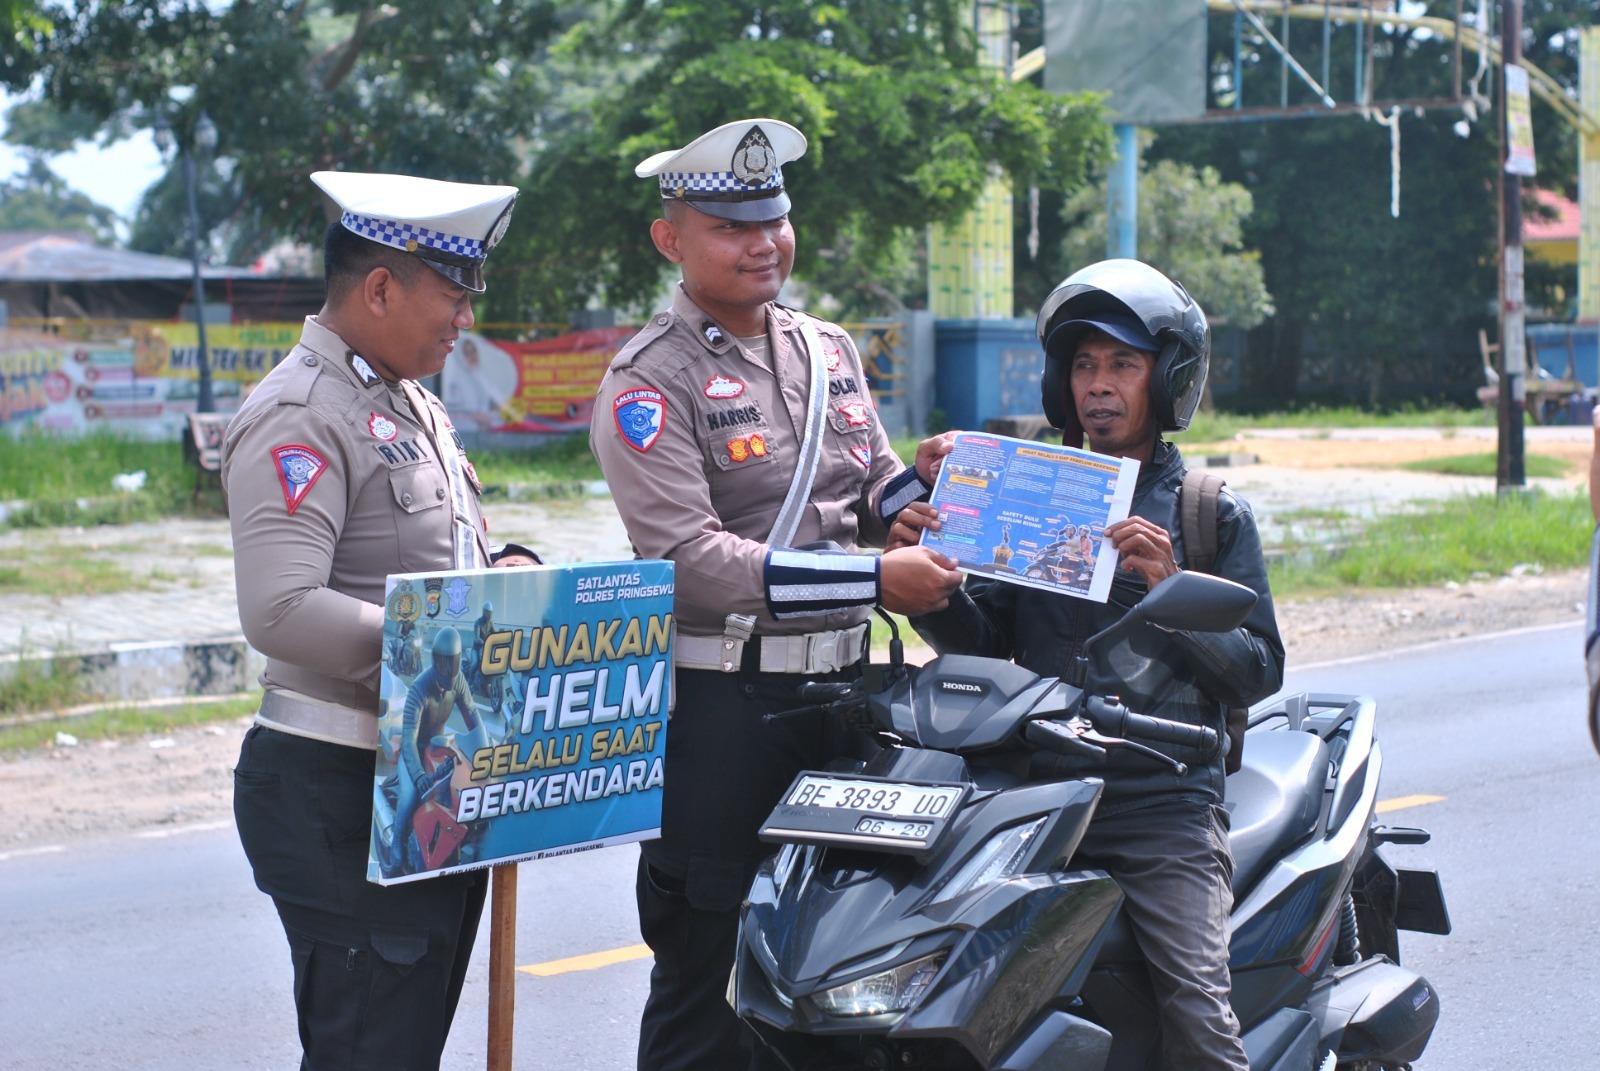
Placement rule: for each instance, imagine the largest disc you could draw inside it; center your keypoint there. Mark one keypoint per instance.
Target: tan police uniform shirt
(705, 491)
(332, 483)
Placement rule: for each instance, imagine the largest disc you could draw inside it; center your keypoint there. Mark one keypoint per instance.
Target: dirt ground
(53, 795)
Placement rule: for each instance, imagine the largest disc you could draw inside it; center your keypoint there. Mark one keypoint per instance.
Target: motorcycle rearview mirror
(1184, 601)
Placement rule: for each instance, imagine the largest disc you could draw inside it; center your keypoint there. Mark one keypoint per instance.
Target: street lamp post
(205, 140)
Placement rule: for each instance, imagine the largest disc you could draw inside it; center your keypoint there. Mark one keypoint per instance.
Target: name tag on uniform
(402, 452)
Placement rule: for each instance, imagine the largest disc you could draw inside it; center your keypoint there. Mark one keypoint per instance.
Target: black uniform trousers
(377, 969)
(725, 770)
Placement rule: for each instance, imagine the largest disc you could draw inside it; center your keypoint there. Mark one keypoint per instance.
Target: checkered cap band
(397, 234)
(715, 182)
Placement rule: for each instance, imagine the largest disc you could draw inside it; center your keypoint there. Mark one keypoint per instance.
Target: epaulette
(297, 381)
(657, 326)
(827, 327)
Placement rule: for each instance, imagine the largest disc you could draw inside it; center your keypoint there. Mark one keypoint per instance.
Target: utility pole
(1510, 471)
(1122, 195)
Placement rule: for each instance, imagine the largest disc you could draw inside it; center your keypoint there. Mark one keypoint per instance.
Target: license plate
(891, 816)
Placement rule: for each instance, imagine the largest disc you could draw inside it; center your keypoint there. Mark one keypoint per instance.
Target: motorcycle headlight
(893, 990)
(997, 860)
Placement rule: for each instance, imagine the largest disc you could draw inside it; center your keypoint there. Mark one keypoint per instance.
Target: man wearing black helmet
(1126, 352)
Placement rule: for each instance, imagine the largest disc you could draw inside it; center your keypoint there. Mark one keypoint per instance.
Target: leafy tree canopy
(562, 97)
(1346, 277)
(1191, 226)
(22, 25)
(904, 128)
(444, 88)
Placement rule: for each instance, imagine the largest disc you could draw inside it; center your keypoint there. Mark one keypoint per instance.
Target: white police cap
(734, 172)
(451, 226)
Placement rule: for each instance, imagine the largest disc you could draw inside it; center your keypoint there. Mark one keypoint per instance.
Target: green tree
(445, 88)
(23, 24)
(1393, 302)
(904, 127)
(37, 199)
(1191, 226)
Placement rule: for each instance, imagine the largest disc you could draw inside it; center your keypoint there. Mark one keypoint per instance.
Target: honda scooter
(923, 910)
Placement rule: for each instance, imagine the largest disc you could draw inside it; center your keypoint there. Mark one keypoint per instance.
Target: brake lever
(1064, 737)
(855, 702)
(1108, 742)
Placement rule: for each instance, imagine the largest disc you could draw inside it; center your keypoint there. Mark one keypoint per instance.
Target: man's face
(727, 264)
(1111, 389)
(425, 318)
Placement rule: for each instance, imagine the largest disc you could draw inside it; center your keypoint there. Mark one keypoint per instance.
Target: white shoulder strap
(805, 470)
(742, 626)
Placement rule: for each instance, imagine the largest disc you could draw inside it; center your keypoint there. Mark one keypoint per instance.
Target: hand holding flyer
(1032, 513)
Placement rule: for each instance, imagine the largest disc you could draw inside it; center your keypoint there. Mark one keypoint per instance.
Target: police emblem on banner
(641, 414)
(435, 588)
(457, 591)
(299, 468)
(404, 603)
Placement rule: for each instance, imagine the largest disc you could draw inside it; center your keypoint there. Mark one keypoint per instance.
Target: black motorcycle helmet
(447, 654)
(1131, 301)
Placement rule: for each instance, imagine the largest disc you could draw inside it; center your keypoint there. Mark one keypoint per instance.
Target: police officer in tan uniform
(339, 470)
(700, 426)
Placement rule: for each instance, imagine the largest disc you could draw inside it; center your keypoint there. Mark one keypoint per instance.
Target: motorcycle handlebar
(1114, 719)
(827, 692)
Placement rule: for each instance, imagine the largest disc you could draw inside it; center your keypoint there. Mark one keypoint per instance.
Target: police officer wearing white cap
(701, 427)
(339, 470)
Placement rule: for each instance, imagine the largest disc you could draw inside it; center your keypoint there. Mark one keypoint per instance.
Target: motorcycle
(923, 912)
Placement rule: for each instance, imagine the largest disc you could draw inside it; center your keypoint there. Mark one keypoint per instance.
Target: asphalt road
(1496, 726)
(156, 952)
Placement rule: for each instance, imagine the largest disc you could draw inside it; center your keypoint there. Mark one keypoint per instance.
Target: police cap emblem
(753, 159)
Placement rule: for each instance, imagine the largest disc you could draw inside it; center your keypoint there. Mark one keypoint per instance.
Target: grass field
(1457, 539)
(124, 721)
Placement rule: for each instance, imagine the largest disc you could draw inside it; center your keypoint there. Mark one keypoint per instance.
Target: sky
(115, 176)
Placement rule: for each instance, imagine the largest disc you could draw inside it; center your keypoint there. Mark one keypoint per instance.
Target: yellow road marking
(590, 962)
(1400, 803)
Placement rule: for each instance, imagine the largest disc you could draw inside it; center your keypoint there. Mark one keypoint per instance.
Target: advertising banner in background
(546, 386)
(138, 377)
(524, 714)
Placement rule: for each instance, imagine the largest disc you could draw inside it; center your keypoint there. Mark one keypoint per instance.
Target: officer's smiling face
(731, 268)
(426, 316)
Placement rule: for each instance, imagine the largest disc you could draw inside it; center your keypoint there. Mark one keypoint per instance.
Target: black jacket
(1185, 676)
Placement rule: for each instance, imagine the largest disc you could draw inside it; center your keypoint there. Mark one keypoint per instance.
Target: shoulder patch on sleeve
(299, 468)
(641, 416)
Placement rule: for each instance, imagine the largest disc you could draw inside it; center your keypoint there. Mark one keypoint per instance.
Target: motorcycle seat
(1273, 800)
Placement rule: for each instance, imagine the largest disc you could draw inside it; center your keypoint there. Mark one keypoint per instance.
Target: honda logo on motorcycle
(962, 687)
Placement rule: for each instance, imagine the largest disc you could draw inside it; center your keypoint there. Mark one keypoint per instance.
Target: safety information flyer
(523, 715)
(1031, 513)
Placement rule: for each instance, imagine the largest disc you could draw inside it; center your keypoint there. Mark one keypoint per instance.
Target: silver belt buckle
(822, 652)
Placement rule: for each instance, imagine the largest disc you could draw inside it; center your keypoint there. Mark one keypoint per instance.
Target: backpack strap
(1197, 516)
